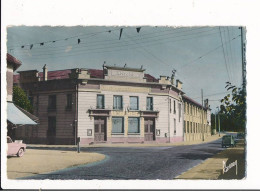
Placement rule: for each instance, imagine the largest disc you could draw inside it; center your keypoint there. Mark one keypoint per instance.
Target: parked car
(15, 148)
(240, 136)
(228, 140)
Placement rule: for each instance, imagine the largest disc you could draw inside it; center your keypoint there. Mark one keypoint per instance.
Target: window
(149, 103)
(134, 105)
(133, 125)
(69, 102)
(184, 127)
(170, 105)
(174, 107)
(188, 129)
(52, 102)
(191, 107)
(117, 125)
(100, 101)
(174, 126)
(184, 104)
(118, 103)
(191, 127)
(179, 112)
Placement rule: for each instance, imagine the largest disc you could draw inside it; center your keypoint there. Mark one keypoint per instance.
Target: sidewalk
(212, 168)
(36, 162)
(208, 139)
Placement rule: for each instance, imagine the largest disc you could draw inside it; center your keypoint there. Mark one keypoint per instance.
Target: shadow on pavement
(236, 154)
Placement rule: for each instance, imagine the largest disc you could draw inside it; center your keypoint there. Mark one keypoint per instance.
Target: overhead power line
(224, 55)
(149, 43)
(207, 53)
(214, 94)
(116, 42)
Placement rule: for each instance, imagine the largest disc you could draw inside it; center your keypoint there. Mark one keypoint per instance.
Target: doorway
(99, 129)
(149, 129)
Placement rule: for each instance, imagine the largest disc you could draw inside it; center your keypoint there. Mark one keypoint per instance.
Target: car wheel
(20, 152)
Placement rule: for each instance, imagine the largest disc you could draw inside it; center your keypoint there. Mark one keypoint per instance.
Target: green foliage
(20, 99)
(234, 108)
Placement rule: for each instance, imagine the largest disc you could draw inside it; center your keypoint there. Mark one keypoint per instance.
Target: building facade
(112, 105)
(197, 120)
(16, 116)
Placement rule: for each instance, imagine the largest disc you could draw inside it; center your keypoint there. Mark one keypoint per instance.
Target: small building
(16, 116)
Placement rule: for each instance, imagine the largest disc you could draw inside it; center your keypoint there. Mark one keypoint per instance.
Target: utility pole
(218, 123)
(202, 114)
(215, 121)
(243, 60)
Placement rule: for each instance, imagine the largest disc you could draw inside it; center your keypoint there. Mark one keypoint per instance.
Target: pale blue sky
(157, 49)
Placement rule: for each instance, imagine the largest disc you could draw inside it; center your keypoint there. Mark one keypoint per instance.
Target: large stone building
(112, 105)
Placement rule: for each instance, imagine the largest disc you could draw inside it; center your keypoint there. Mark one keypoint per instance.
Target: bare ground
(43, 161)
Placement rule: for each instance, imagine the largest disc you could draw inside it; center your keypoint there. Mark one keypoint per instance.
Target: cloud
(68, 49)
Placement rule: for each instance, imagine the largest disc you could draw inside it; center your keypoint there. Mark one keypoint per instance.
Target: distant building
(197, 120)
(16, 116)
(112, 105)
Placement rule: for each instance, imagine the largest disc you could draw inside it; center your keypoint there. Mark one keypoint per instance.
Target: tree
(20, 99)
(234, 107)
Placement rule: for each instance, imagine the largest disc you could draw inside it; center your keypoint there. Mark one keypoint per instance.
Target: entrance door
(51, 133)
(100, 129)
(149, 129)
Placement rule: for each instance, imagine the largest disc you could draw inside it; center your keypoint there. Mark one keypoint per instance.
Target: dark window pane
(149, 103)
(52, 102)
(117, 125)
(100, 101)
(118, 102)
(69, 100)
(133, 125)
(133, 103)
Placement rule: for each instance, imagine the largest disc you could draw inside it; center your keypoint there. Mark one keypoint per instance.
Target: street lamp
(218, 122)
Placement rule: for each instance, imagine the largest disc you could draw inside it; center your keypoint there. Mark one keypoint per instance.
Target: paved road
(144, 163)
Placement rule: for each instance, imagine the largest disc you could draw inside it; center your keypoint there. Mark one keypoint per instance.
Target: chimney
(206, 103)
(172, 80)
(179, 84)
(45, 73)
(172, 77)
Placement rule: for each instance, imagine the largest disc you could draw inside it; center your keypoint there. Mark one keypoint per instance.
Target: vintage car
(15, 148)
(228, 140)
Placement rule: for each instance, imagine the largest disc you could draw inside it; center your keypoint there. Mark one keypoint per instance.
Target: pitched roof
(150, 78)
(60, 74)
(192, 101)
(96, 73)
(12, 60)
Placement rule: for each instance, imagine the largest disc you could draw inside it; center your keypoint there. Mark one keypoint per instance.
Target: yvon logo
(227, 168)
